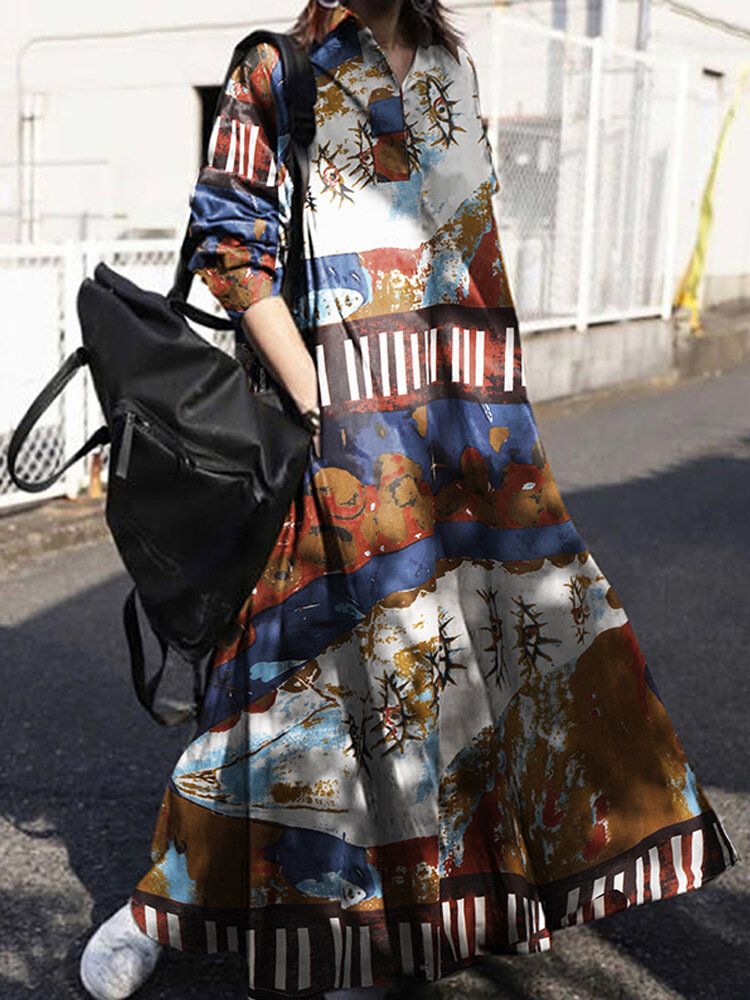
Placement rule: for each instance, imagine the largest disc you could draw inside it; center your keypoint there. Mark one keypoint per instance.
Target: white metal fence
(36, 331)
(39, 328)
(587, 140)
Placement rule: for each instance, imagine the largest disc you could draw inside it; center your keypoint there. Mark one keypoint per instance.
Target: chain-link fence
(587, 142)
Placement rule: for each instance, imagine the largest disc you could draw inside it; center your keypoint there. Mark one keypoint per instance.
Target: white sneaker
(118, 958)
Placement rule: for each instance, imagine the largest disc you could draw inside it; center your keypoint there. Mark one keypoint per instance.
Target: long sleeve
(241, 203)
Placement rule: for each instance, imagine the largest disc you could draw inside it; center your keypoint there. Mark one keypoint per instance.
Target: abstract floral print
(436, 735)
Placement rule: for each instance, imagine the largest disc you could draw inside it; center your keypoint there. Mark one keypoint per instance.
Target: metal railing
(39, 328)
(588, 139)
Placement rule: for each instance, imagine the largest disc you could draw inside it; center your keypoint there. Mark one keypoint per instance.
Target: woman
(437, 736)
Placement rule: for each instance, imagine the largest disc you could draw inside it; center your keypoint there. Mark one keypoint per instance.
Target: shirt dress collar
(351, 43)
(347, 34)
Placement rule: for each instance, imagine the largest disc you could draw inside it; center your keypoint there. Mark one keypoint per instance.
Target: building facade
(103, 115)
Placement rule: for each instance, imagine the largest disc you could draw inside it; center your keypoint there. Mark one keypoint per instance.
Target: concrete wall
(116, 131)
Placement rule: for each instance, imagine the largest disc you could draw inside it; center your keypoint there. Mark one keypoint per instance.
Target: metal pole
(672, 201)
(586, 269)
(644, 24)
(633, 192)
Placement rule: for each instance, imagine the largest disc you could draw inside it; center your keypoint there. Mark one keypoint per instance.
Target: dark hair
(313, 24)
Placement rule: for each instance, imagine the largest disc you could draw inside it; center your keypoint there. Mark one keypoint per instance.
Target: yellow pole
(688, 291)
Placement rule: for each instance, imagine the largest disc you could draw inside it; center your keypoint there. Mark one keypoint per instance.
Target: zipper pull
(126, 444)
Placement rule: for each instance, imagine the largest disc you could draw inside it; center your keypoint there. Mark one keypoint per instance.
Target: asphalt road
(657, 481)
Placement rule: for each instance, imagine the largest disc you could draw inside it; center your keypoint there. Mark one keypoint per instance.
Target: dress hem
(479, 917)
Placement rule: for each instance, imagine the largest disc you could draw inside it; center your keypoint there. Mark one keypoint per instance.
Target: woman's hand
(270, 328)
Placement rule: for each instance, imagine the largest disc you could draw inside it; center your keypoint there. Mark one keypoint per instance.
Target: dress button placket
(388, 129)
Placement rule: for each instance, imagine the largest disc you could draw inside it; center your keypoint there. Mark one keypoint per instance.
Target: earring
(330, 4)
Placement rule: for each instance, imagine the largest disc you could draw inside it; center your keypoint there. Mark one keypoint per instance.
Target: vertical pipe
(594, 15)
(672, 202)
(644, 24)
(25, 179)
(20, 142)
(555, 72)
(20, 174)
(590, 187)
(37, 103)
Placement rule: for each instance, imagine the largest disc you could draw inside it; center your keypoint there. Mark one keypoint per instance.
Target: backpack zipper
(132, 417)
(126, 446)
(167, 438)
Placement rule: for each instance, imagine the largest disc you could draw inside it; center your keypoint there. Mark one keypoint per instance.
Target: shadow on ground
(87, 766)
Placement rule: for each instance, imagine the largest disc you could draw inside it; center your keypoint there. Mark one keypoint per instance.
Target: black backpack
(203, 466)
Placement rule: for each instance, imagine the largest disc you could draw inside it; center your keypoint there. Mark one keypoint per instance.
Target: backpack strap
(300, 92)
(43, 401)
(146, 690)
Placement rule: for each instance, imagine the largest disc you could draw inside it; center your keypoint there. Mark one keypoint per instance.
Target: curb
(50, 526)
(565, 362)
(718, 351)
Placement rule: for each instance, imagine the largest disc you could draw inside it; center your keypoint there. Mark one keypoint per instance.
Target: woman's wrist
(304, 401)
(305, 393)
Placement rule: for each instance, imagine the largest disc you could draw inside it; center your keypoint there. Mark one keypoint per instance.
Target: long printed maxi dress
(437, 736)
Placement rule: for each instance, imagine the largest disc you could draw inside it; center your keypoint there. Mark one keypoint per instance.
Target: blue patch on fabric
(691, 790)
(216, 213)
(336, 48)
(386, 116)
(339, 272)
(180, 887)
(318, 863)
(408, 196)
(268, 671)
(337, 285)
(452, 426)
